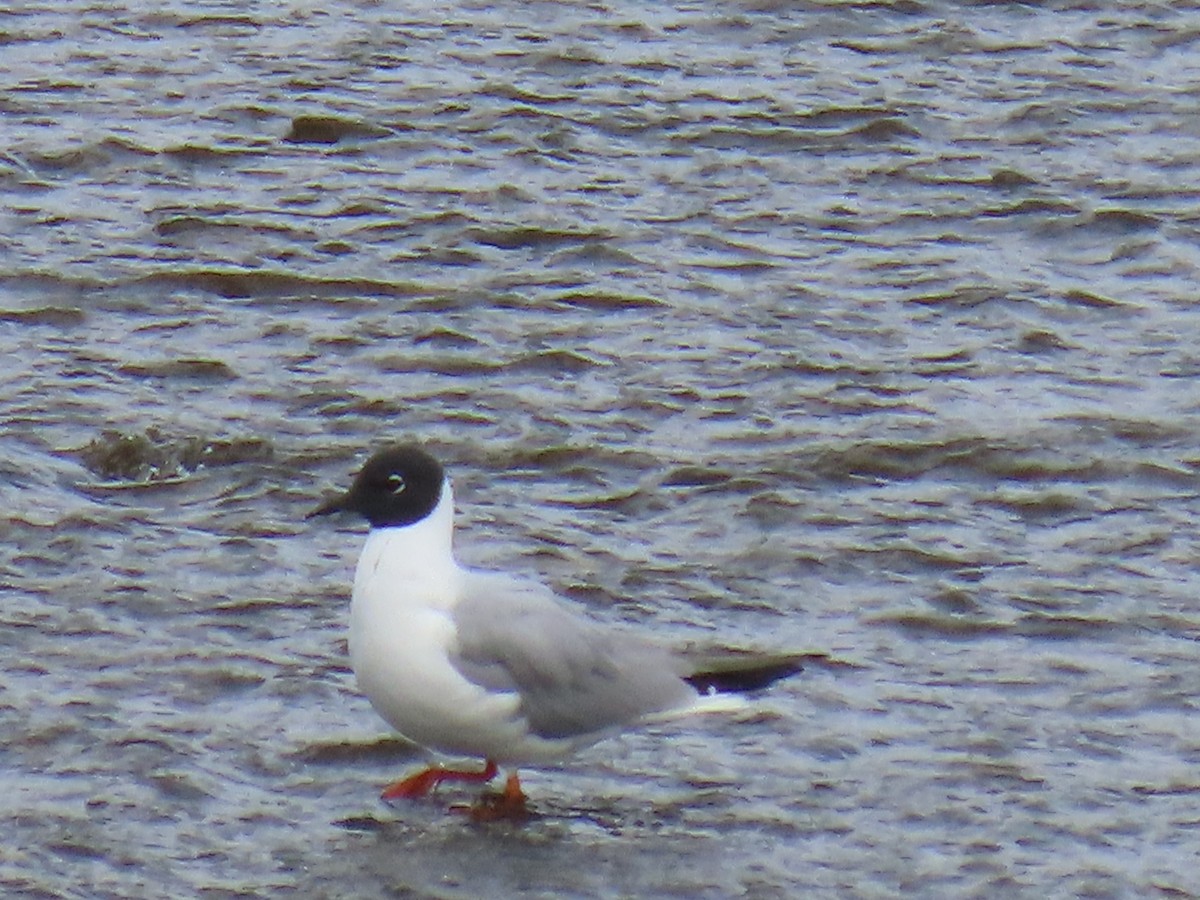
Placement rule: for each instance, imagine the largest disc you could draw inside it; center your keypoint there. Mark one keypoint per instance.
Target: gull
(484, 664)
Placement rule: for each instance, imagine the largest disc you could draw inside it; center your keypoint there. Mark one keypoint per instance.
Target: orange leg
(420, 784)
(508, 805)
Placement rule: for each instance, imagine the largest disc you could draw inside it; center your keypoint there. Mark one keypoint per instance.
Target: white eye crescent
(396, 483)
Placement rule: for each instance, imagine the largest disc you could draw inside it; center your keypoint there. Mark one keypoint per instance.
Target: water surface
(866, 330)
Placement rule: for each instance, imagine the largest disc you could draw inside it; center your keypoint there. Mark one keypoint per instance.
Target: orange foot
(507, 806)
(420, 784)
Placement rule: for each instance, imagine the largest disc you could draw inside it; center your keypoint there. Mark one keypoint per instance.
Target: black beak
(329, 507)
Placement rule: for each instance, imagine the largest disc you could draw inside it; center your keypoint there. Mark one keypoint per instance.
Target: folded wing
(574, 676)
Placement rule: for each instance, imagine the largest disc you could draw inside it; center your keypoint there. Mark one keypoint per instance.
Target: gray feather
(574, 676)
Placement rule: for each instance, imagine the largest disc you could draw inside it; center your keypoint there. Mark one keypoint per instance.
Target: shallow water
(860, 329)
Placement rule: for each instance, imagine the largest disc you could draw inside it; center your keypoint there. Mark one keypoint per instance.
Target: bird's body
(477, 663)
(482, 664)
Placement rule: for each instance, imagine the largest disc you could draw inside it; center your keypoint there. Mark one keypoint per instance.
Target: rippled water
(862, 329)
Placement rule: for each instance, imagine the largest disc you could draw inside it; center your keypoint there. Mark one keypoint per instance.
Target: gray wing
(574, 676)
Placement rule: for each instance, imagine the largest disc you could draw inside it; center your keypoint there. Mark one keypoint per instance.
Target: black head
(397, 486)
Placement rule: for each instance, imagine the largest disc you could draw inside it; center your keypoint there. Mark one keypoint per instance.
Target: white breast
(401, 632)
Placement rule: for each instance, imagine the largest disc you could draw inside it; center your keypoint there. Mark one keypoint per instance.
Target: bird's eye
(396, 483)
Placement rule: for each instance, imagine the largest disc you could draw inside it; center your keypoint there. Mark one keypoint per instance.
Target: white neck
(414, 562)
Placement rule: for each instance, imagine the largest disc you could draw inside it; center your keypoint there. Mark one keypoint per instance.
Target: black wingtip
(741, 674)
